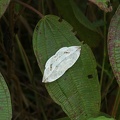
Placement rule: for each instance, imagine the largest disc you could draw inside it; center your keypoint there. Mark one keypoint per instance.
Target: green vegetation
(31, 32)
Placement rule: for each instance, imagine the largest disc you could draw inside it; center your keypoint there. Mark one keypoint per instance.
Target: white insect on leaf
(59, 63)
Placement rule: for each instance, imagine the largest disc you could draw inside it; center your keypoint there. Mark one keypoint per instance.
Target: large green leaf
(3, 6)
(114, 44)
(5, 101)
(78, 90)
(70, 12)
(101, 118)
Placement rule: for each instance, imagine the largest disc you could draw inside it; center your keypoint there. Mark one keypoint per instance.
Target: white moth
(59, 63)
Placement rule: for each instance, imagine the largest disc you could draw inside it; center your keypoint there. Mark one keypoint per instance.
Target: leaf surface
(78, 90)
(101, 118)
(114, 44)
(3, 6)
(5, 101)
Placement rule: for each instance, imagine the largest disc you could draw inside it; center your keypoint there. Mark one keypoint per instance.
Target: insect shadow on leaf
(60, 19)
(90, 76)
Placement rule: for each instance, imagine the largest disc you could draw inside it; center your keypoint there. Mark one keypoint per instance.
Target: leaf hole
(37, 27)
(74, 31)
(60, 20)
(90, 76)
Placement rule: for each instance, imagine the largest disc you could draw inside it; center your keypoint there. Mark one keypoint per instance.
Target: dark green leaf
(70, 12)
(78, 90)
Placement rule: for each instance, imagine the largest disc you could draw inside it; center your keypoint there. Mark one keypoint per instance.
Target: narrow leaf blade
(81, 17)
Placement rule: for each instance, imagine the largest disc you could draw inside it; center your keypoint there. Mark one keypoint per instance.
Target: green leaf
(81, 17)
(3, 6)
(99, 23)
(78, 90)
(5, 101)
(101, 118)
(70, 12)
(114, 44)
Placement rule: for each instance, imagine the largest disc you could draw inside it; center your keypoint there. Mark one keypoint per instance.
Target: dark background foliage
(30, 100)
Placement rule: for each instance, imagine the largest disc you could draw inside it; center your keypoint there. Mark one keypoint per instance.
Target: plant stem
(107, 88)
(116, 104)
(104, 51)
(22, 10)
(105, 71)
(30, 7)
(25, 59)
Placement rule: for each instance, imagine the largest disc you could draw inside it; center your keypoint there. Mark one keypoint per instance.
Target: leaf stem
(116, 104)
(104, 51)
(30, 7)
